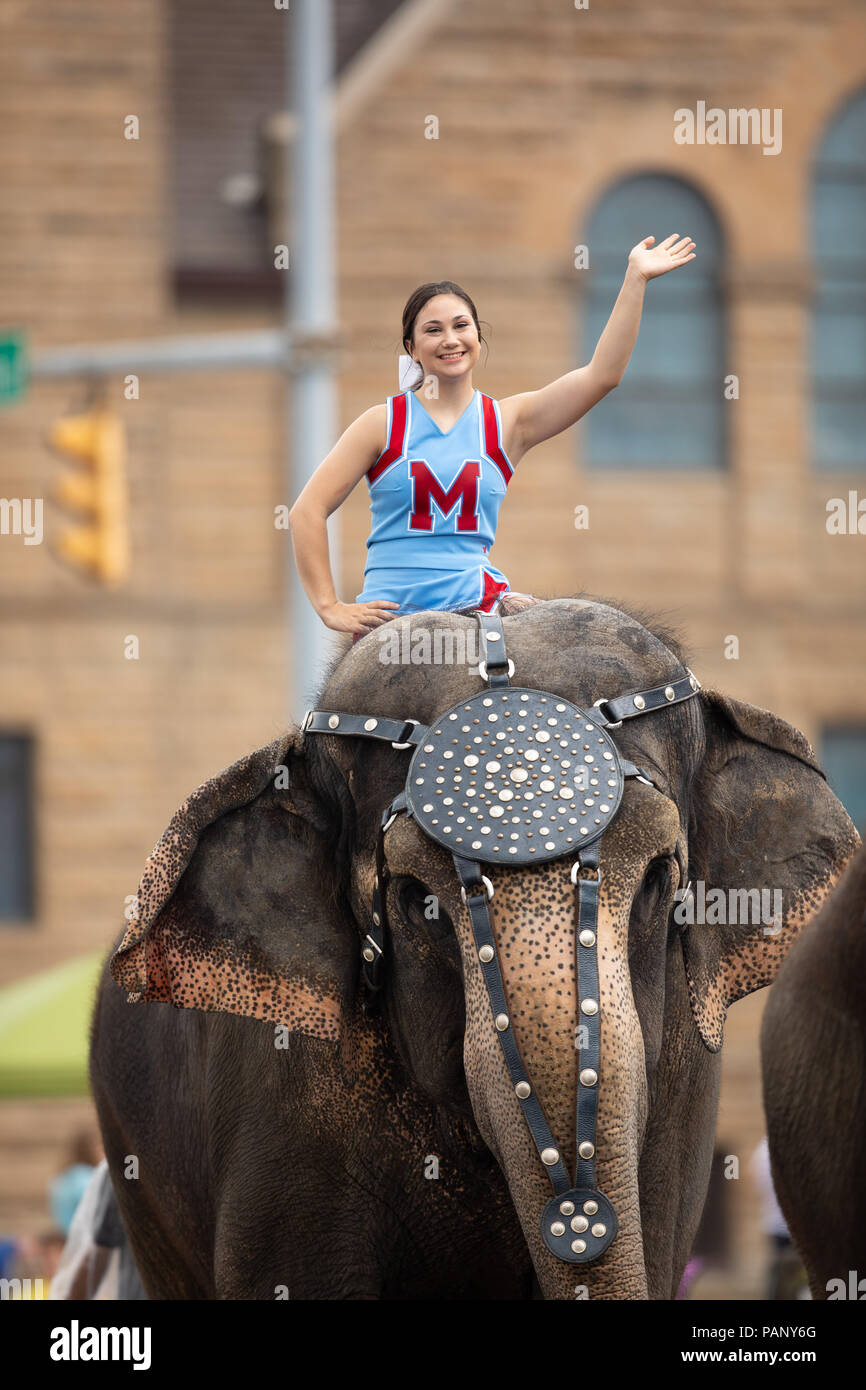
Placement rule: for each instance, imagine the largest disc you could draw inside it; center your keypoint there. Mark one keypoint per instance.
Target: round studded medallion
(588, 1234)
(514, 776)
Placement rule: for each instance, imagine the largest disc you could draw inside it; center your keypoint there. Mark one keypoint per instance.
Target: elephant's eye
(420, 907)
(656, 884)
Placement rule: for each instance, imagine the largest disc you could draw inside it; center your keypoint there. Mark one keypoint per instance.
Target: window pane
(16, 857)
(838, 345)
(654, 430)
(668, 410)
(839, 341)
(839, 216)
(839, 434)
(843, 757)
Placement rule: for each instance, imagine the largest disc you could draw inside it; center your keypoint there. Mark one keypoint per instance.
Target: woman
(437, 472)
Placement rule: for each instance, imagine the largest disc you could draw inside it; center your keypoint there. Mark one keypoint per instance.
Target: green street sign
(13, 366)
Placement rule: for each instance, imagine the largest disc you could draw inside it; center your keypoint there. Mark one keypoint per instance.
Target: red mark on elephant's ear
(219, 976)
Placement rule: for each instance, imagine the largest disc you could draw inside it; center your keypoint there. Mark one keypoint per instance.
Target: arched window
(668, 411)
(839, 317)
(843, 758)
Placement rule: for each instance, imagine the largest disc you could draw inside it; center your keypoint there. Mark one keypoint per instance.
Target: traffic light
(98, 441)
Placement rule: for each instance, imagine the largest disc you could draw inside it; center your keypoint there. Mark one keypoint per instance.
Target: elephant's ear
(762, 818)
(235, 911)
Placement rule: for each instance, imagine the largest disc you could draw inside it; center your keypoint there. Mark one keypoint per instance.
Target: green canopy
(45, 1029)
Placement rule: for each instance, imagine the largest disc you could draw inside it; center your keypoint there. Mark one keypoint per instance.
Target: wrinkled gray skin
(306, 1168)
(813, 1053)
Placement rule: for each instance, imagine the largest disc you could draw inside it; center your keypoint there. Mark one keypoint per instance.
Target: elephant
(270, 1136)
(813, 1061)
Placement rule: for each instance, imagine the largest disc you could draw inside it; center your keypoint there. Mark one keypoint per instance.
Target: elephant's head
(739, 804)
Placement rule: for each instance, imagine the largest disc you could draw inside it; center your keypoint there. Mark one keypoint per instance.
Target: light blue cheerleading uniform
(435, 497)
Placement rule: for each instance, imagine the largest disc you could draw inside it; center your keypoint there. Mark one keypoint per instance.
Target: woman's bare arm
(353, 454)
(534, 416)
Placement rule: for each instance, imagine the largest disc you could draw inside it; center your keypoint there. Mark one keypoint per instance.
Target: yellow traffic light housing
(97, 440)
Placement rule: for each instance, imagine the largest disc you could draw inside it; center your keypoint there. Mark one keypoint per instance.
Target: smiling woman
(437, 473)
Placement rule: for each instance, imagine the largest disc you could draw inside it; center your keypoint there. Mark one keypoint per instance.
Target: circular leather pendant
(579, 1225)
(514, 776)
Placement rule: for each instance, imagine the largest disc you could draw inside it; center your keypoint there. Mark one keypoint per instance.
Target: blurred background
(151, 629)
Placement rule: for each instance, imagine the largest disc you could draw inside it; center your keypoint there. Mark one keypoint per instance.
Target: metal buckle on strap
(404, 745)
(308, 715)
(608, 722)
(577, 865)
(482, 668)
(487, 884)
(376, 947)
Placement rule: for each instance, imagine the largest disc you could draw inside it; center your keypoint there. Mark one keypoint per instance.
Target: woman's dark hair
(418, 298)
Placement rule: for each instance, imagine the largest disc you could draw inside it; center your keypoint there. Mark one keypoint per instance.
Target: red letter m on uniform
(427, 488)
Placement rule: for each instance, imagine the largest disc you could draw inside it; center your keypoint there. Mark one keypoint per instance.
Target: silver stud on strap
(485, 954)
(587, 937)
(588, 1077)
(579, 1223)
(599, 1229)
(523, 1090)
(368, 953)
(589, 1006)
(501, 1022)
(578, 1246)
(639, 702)
(670, 693)
(371, 724)
(586, 1149)
(333, 721)
(557, 1229)
(590, 1207)
(549, 1157)
(566, 1208)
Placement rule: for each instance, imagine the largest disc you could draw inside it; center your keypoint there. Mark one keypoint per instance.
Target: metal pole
(310, 308)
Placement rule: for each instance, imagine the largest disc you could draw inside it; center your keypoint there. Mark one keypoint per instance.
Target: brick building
(554, 130)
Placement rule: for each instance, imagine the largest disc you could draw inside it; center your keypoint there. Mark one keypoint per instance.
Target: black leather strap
(493, 657)
(373, 946)
(491, 971)
(587, 985)
(645, 701)
(402, 732)
(588, 1010)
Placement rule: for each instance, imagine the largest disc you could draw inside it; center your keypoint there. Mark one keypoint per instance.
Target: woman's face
(445, 339)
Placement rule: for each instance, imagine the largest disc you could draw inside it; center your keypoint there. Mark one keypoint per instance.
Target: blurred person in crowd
(66, 1190)
(31, 1263)
(97, 1261)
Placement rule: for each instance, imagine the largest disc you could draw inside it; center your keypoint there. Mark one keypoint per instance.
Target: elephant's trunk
(533, 921)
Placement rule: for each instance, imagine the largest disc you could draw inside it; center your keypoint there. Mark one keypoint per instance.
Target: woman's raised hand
(651, 261)
(357, 617)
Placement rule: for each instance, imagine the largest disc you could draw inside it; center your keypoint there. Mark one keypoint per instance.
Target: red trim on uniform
(394, 447)
(492, 589)
(491, 439)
